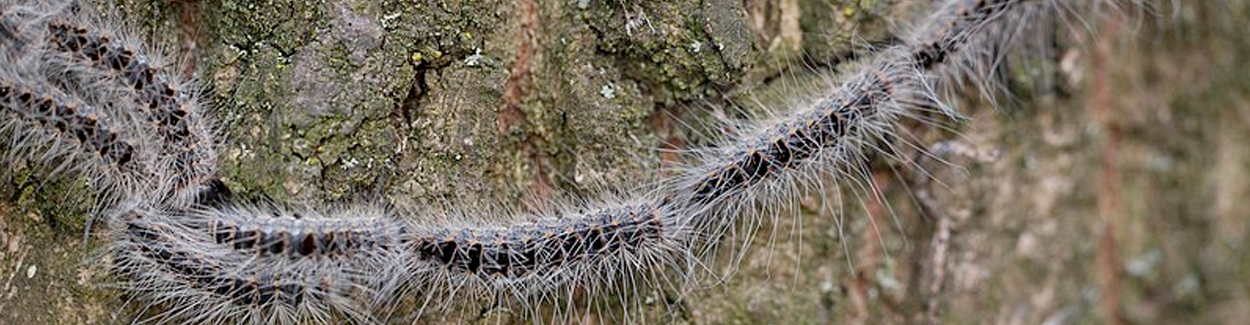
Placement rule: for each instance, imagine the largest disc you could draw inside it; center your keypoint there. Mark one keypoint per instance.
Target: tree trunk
(489, 106)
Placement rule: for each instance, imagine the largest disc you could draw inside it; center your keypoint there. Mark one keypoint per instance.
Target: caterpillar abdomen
(834, 123)
(295, 236)
(257, 261)
(255, 272)
(172, 110)
(540, 247)
(68, 118)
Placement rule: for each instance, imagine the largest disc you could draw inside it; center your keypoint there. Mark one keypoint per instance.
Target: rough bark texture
(495, 105)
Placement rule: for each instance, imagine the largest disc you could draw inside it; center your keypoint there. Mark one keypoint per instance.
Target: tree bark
(513, 105)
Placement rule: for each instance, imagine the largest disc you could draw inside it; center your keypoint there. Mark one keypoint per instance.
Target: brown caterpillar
(68, 135)
(178, 267)
(168, 104)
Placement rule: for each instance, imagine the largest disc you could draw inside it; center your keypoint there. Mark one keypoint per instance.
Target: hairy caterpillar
(95, 55)
(82, 61)
(51, 126)
(69, 120)
(176, 264)
(846, 126)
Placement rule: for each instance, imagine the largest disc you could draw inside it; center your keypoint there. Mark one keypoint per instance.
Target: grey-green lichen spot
(308, 114)
(674, 50)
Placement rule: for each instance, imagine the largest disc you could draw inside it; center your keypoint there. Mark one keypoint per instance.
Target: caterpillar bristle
(105, 62)
(182, 267)
(71, 137)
